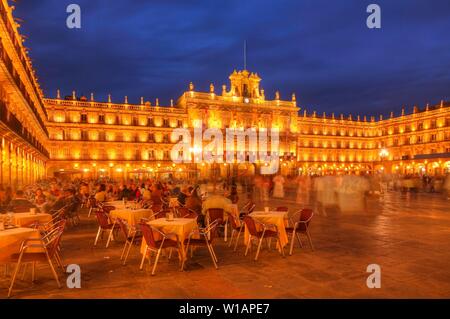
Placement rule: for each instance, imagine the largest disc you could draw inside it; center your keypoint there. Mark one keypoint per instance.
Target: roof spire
(245, 54)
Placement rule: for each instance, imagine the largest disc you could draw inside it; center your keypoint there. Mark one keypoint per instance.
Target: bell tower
(244, 84)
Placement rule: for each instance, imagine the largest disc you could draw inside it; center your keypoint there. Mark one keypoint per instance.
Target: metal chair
(214, 214)
(206, 238)
(301, 226)
(153, 245)
(235, 228)
(93, 205)
(267, 232)
(184, 212)
(104, 224)
(132, 236)
(49, 244)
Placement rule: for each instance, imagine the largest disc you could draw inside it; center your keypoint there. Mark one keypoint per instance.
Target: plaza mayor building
(82, 137)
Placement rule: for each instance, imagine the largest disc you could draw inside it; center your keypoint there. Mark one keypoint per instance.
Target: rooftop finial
(92, 97)
(211, 88)
(171, 102)
(142, 100)
(126, 99)
(245, 54)
(191, 86)
(58, 94)
(74, 95)
(109, 98)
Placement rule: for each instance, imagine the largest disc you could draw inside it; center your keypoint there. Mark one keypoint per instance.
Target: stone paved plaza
(407, 235)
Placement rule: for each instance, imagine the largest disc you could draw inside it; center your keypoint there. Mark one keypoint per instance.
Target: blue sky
(321, 50)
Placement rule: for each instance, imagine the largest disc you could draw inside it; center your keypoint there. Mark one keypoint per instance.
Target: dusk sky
(321, 50)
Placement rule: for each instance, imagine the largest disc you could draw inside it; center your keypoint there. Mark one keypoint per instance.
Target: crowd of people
(53, 194)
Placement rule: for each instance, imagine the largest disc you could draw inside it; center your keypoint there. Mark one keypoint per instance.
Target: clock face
(246, 100)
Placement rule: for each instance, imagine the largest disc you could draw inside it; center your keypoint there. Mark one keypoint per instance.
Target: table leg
(226, 231)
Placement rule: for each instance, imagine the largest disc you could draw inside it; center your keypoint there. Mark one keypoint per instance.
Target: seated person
(39, 197)
(183, 195)
(194, 202)
(100, 195)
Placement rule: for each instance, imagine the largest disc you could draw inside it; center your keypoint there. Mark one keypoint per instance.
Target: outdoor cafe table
(132, 216)
(118, 204)
(180, 226)
(26, 219)
(11, 241)
(271, 217)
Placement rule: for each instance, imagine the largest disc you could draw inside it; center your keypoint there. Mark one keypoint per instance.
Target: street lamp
(384, 153)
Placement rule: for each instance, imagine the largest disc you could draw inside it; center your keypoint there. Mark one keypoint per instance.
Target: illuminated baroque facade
(122, 139)
(23, 132)
(81, 136)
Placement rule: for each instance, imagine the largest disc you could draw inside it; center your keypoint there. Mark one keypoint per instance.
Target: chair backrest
(282, 209)
(103, 219)
(215, 214)
(146, 204)
(59, 213)
(211, 230)
(147, 232)
(156, 208)
(123, 227)
(92, 202)
(232, 220)
(251, 208)
(52, 240)
(306, 215)
(107, 209)
(251, 225)
(51, 225)
(162, 213)
(182, 211)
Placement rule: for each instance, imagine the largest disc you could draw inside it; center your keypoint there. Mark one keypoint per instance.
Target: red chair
(49, 245)
(107, 208)
(301, 226)
(157, 210)
(267, 232)
(206, 238)
(153, 245)
(214, 214)
(161, 214)
(104, 224)
(92, 204)
(184, 212)
(132, 236)
(236, 227)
